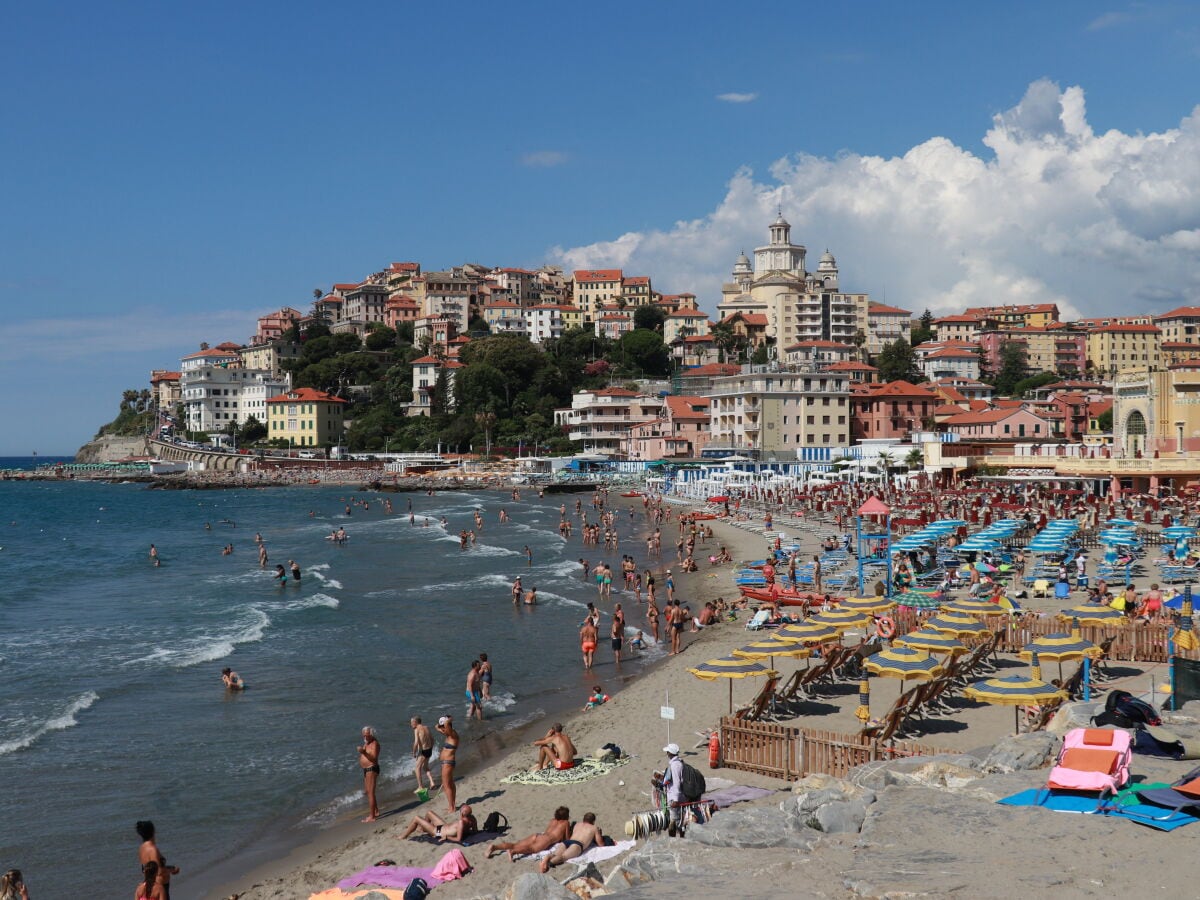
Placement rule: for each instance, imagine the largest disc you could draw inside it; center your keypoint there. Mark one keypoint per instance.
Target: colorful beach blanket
(1126, 806)
(388, 877)
(595, 855)
(584, 770)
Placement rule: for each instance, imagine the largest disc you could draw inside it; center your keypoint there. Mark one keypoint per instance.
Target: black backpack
(493, 823)
(1124, 710)
(417, 889)
(692, 784)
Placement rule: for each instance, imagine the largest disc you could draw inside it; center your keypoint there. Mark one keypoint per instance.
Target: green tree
(1105, 420)
(478, 325)
(729, 342)
(897, 361)
(251, 432)
(761, 355)
(1033, 382)
(380, 338)
(1014, 367)
(649, 318)
(404, 332)
(915, 458)
(924, 330)
(642, 352)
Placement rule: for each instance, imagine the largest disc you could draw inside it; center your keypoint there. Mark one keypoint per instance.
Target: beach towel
(584, 770)
(594, 855)
(388, 877)
(1126, 805)
(451, 867)
(364, 894)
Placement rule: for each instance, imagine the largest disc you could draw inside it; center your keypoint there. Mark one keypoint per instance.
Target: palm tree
(915, 458)
(486, 420)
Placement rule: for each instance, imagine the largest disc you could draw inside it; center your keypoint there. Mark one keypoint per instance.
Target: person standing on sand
(368, 760)
(448, 758)
(474, 697)
(676, 621)
(485, 676)
(422, 750)
(148, 852)
(555, 833)
(588, 636)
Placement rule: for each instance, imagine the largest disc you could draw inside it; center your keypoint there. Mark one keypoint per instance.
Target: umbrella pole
(730, 696)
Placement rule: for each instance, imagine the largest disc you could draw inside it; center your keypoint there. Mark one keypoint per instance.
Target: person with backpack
(674, 780)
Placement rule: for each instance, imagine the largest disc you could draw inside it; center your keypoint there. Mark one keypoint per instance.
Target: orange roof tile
(1126, 329)
(1180, 313)
(305, 395)
(598, 275)
(885, 310)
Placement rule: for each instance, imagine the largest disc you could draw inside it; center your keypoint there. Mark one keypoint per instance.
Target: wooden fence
(1131, 642)
(780, 751)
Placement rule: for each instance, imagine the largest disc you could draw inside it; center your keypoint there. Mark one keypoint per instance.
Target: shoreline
(349, 838)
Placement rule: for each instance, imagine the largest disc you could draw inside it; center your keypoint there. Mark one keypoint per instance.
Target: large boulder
(829, 805)
(1074, 715)
(1021, 752)
(536, 886)
(658, 858)
(755, 827)
(949, 771)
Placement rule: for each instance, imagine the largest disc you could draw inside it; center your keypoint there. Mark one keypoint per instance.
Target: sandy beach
(962, 843)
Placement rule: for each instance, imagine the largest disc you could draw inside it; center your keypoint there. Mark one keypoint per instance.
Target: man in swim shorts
(368, 760)
(422, 750)
(555, 833)
(555, 749)
(442, 831)
(474, 697)
(588, 636)
(584, 836)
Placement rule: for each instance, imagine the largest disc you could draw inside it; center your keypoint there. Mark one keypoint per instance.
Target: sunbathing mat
(1128, 808)
(373, 893)
(583, 770)
(388, 877)
(595, 855)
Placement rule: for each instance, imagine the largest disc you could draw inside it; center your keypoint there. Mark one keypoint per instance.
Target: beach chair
(1092, 759)
(764, 701)
(1041, 587)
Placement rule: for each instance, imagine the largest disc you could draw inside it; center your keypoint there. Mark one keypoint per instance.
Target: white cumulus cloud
(1098, 223)
(734, 97)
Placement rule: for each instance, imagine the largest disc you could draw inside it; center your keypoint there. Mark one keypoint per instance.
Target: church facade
(799, 305)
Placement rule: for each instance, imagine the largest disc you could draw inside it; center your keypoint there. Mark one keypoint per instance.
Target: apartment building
(1180, 325)
(594, 288)
(272, 326)
(950, 362)
(1029, 315)
(964, 329)
(270, 357)
(306, 418)
(215, 397)
(680, 432)
(425, 376)
(775, 411)
(684, 322)
(892, 410)
(1114, 348)
(601, 418)
(505, 317)
(1046, 349)
(886, 325)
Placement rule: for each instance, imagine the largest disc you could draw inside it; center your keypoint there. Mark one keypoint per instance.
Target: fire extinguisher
(714, 751)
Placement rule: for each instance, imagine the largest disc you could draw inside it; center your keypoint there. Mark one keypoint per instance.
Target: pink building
(401, 308)
(680, 432)
(1046, 349)
(1004, 424)
(272, 326)
(892, 410)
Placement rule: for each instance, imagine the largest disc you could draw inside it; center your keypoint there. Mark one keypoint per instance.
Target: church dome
(782, 221)
(827, 261)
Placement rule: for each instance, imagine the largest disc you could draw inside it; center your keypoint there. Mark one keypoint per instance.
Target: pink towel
(389, 877)
(452, 866)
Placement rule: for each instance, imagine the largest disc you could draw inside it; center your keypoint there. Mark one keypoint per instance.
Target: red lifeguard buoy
(885, 628)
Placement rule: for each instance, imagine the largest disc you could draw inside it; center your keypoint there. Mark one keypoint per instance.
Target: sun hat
(443, 720)
(672, 749)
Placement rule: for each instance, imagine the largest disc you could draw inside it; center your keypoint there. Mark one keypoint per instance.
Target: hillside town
(793, 368)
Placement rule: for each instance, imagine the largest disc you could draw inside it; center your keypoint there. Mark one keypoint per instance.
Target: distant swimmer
(262, 556)
(280, 575)
(528, 556)
(258, 537)
(295, 570)
(208, 526)
(227, 550)
(232, 679)
(531, 596)
(153, 552)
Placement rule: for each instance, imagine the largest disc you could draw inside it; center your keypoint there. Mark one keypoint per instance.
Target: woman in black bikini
(449, 748)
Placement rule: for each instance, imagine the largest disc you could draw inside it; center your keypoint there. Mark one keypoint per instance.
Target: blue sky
(172, 171)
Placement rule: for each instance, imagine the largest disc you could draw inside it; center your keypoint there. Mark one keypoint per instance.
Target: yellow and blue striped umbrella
(904, 663)
(867, 604)
(808, 633)
(956, 623)
(731, 667)
(974, 608)
(932, 641)
(1016, 691)
(863, 713)
(842, 621)
(772, 647)
(1094, 615)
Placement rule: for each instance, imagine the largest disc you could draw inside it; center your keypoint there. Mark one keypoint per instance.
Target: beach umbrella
(771, 647)
(867, 604)
(1184, 636)
(731, 667)
(956, 623)
(808, 633)
(984, 567)
(1016, 691)
(920, 599)
(841, 620)
(1059, 647)
(1127, 523)
(863, 713)
(905, 664)
(969, 607)
(1090, 614)
(932, 642)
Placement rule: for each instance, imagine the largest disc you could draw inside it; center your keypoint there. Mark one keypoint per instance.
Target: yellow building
(305, 418)
(594, 288)
(1178, 351)
(1027, 315)
(1180, 325)
(572, 317)
(1157, 412)
(1114, 348)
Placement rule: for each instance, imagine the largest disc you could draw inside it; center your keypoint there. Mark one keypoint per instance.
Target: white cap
(672, 749)
(443, 720)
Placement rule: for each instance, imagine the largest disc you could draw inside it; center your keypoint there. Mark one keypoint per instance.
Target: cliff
(110, 448)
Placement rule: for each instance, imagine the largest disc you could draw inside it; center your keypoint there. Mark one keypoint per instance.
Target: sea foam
(59, 723)
(208, 648)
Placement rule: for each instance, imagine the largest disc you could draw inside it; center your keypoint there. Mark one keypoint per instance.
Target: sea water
(111, 703)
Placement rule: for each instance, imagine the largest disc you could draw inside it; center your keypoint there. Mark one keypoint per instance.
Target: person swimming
(232, 679)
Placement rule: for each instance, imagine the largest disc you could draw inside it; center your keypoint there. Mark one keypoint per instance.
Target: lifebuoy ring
(885, 628)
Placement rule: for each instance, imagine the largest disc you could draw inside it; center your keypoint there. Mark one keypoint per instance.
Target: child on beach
(598, 698)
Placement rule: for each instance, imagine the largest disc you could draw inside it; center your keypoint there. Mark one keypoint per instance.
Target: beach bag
(417, 889)
(692, 784)
(1124, 710)
(493, 823)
